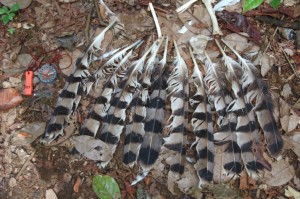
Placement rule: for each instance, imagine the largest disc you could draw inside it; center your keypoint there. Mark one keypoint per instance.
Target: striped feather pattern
(102, 103)
(73, 90)
(178, 90)
(152, 141)
(258, 91)
(114, 120)
(135, 129)
(203, 129)
(246, 128)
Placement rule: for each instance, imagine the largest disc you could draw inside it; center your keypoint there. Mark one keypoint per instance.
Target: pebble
(50, 194)
(12, 182)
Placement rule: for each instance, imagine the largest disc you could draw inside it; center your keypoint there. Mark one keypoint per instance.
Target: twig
(101, 22)
(25, 165)
(155, 20)
(87, 27)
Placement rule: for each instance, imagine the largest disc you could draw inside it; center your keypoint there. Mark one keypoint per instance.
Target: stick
(155, 20)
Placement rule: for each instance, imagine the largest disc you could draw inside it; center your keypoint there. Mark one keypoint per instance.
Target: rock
(12, 182)
(50, 194)
(22, 3)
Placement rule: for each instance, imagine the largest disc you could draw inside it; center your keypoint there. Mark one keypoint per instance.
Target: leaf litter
(72, 17)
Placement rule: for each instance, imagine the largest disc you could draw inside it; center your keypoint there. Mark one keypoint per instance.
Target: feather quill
(258, 91)
(203, 128)
(178, 90)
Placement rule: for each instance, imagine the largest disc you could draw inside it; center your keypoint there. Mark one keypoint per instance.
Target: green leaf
(251, 4)
(3, 10)
(11, 16)
(11, 30)
(5, 19)
(15, 8)
(275, 3)
(106, 187)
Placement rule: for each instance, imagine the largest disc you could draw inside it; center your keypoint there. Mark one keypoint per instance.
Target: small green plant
(11, 30)
(8, 14)
(252, 4)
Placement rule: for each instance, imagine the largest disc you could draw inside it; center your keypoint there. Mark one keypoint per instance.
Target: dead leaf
(9, 98)
(286, 91)
(291, 144)
(50, 194)
(93, 149)
(290, 192)
(28, 134)
(77, 184)
(282, 172)
(266, 63)
(284, 108)
(289, 123)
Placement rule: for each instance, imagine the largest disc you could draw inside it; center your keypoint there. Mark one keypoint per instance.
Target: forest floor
(58, 31)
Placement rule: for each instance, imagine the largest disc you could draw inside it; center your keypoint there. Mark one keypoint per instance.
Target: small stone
(12, 182)
(286, 91)
(50, 194)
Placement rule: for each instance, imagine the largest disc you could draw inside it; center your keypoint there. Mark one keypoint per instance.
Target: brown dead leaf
(244, 181)
(77, 184)
(282, 172)
(9, 98)
(289, 123)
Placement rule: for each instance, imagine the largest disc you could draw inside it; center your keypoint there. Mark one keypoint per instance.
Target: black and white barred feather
(75, 87)
(179, 91)
(203, 128)
(153, 127)
(114, 69)
(257, 90)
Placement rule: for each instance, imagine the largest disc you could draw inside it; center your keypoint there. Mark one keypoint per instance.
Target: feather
(102, 103)
(111, 65)
(258, 91)
(114, 120)
(203, 128)
(246, 128)
(178, 90)
(73, 90)
(135, 128)
(153, 127)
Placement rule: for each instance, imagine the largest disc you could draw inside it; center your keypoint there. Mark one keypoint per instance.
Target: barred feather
(114, 120)
(135, 128)
(73, 90)
(258, 91)
(152, 140)
(203, 128)
(102, 103)
(178, 90)
(246, 128)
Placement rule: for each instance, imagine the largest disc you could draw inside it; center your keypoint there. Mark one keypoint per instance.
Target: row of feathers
(133, 100)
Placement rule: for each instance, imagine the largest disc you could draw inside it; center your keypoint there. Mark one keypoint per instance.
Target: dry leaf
(50, 194)
(9, 98)
(286, 91)
(28, 134)
(284, 108)
(266, 63)
(289, 123)
(291, 144)
(91, 148)
(77, 184)
(290, 192)
(282, 172)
